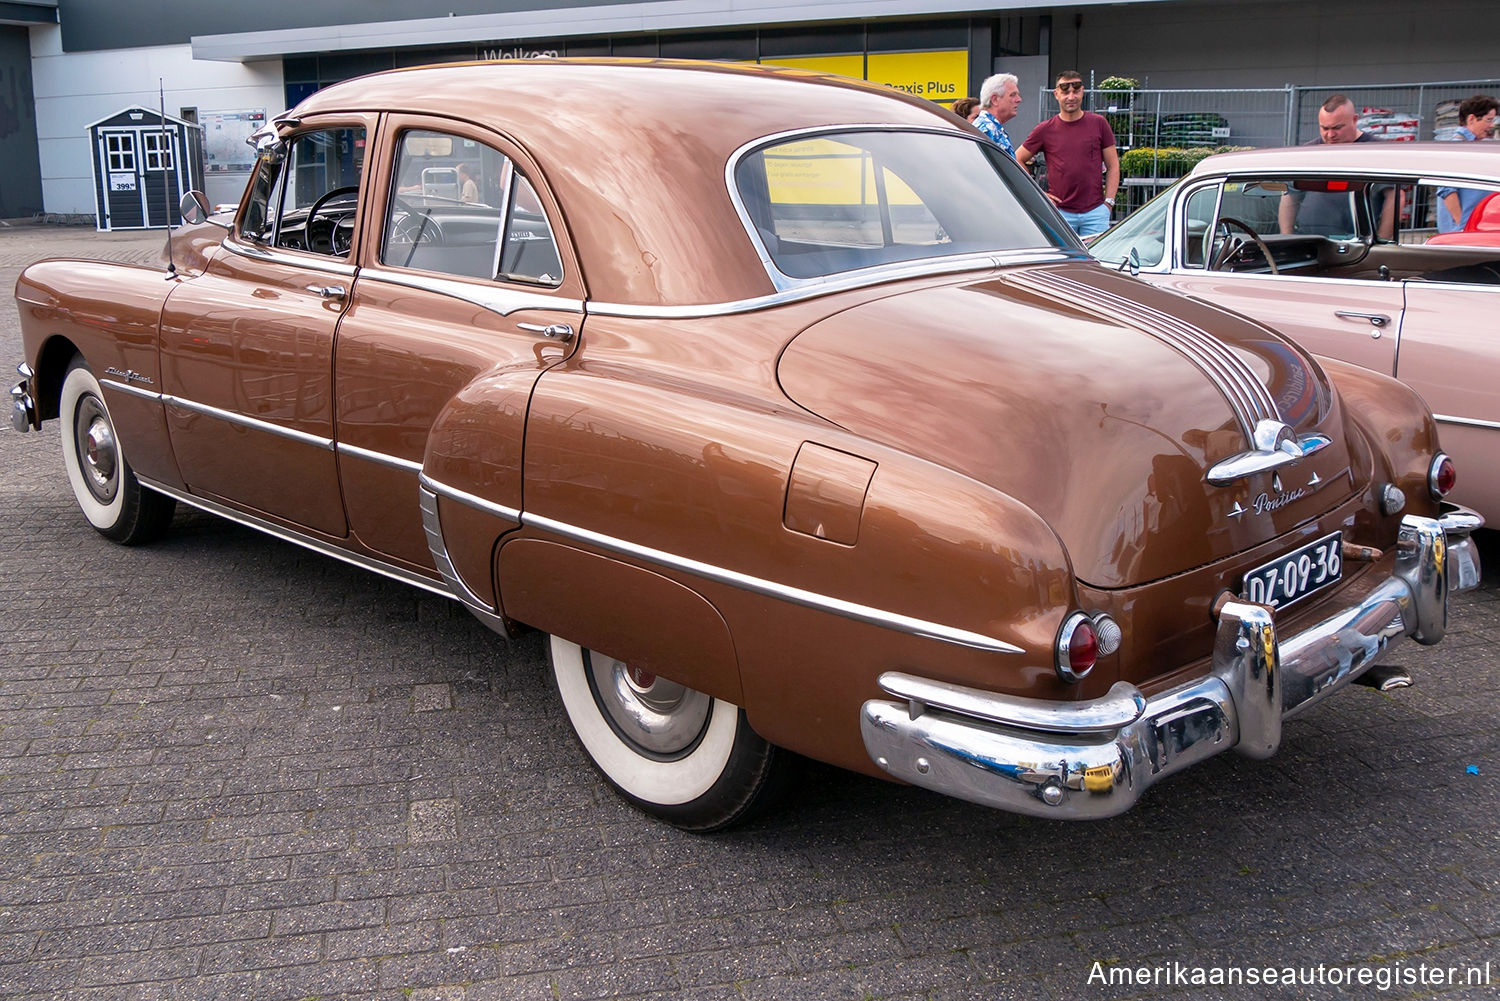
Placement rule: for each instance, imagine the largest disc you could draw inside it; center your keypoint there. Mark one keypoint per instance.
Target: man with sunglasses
(1083, 166)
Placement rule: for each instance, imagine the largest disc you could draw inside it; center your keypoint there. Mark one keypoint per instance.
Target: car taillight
(1441, 476)
(1077, 648)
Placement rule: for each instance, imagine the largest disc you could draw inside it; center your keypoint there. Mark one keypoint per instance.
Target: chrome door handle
(1376, 319)
(556, 331)
(329, 291)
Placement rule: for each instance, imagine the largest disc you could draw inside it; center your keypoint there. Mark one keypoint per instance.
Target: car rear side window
(824, 204)
(459, 207)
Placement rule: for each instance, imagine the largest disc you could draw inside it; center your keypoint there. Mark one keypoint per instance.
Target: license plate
(1296, 574)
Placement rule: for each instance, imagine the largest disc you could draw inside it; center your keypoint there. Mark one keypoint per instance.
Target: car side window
(259, 222)
(1199, 216)
(314, 200)
(459, 207)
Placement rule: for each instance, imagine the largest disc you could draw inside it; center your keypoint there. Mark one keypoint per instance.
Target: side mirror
(195, 208)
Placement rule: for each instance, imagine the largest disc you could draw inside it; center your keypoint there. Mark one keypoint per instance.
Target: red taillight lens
(1077, 648)
(1441, 477)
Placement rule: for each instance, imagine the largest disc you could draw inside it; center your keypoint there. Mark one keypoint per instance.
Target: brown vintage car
(787, 406)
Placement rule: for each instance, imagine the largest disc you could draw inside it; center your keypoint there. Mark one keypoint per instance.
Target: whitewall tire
(110, 496)
(674, 752)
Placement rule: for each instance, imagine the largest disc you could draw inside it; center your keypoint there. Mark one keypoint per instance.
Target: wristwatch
(1110, 202)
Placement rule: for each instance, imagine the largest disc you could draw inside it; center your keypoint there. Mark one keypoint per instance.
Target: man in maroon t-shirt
(1083, 166)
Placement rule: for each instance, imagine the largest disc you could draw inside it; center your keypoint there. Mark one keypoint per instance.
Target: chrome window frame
(784, 283)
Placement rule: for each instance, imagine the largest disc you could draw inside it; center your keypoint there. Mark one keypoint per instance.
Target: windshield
(1144, 231)
(837, 202)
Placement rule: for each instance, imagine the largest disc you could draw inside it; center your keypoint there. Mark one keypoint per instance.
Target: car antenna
(166, 193)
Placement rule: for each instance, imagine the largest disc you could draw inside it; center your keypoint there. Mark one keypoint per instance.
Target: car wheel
(672, 751)
(112, 499)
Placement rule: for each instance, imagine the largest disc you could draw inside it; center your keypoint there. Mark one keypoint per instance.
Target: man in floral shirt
(1000, 97)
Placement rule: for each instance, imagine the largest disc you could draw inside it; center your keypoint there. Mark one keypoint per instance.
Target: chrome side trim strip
(311, 262)
(317, 441)
(432, 525)
(129, 390)
(503, 301)
(379, 458)
(454, 494)
(841, 283)
(758, 585)
(296, 538)
(1472, 422)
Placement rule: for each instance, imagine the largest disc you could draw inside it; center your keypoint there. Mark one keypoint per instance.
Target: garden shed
(144, 162)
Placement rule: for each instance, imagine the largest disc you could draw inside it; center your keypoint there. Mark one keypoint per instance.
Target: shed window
(120, 151)
(158, 150)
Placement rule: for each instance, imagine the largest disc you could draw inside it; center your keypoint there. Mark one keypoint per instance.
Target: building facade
(227, 67)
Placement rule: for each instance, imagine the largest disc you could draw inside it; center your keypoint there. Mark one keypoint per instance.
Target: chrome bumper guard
(22, 406)
(1087, 760)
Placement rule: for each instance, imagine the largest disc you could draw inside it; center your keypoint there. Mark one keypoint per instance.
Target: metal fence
(1163, 133)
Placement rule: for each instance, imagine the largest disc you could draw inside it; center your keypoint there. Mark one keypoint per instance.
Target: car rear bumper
(1086, 760)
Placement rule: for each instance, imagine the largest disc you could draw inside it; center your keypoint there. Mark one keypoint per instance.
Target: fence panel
(1402, 112)
(1163, 133)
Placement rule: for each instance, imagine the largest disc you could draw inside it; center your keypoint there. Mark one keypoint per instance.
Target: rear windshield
(838, 202)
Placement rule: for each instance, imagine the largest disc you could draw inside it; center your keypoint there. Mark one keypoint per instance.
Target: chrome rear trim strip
(432, 525)
(758, 585)
(296, 538)
(472, 500)
(1472, 422)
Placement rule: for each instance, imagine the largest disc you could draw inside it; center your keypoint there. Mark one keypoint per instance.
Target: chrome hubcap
(98, 455)
(660, 717)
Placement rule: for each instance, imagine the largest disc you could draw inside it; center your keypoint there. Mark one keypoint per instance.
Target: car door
(1318, 294)
(1449, 349)
(467, 293)
(247, 347)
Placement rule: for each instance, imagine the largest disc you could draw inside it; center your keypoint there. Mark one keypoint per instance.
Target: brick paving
(230, 768)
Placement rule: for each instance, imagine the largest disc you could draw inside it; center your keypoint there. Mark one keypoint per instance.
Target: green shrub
(1167, 161)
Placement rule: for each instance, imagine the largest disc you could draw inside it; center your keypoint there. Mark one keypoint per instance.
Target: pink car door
(1449, 354)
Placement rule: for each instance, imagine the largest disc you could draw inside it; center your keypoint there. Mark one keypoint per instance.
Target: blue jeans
(1090, 223)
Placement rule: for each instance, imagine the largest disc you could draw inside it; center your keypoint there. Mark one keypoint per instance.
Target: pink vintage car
(1337, 247)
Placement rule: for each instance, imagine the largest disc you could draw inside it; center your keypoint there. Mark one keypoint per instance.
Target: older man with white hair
(1000, 97)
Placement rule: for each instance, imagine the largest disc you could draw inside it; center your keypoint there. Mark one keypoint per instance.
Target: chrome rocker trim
(1088, 760)
(296, 538)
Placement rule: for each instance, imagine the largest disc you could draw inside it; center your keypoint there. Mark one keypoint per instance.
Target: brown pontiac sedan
(787, 407)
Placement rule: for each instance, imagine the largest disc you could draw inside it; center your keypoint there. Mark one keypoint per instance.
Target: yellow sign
(829, 172)
(937, 76)
(842, 65)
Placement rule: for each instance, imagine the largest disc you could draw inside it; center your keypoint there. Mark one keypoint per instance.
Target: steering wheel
(334, 241)
(410, 226)
(1232, 245)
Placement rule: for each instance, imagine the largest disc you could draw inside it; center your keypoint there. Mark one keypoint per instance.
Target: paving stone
(232, 769)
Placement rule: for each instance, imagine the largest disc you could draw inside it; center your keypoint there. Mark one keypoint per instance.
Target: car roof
(1469, 159)
(636, 151)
